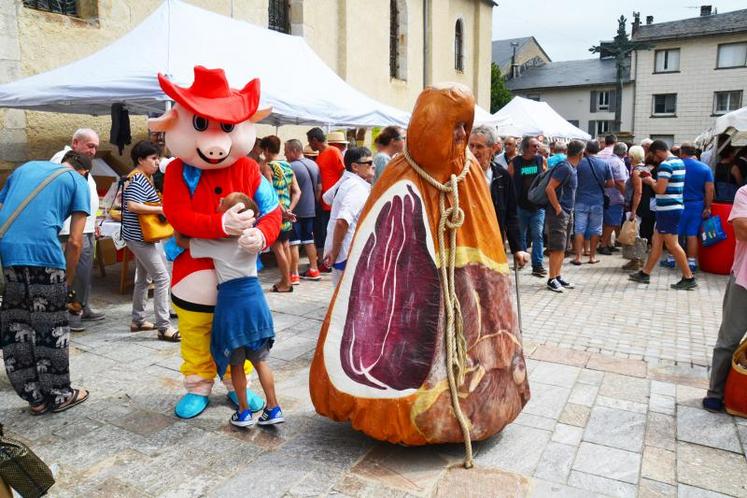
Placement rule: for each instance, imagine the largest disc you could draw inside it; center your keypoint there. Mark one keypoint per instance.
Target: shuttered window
(459, 45)
(279, 16)
(65, 7)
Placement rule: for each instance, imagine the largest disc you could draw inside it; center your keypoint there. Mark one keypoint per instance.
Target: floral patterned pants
(34, 334)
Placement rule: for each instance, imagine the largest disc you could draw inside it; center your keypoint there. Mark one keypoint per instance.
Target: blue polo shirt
(697, 174)
(32, 239)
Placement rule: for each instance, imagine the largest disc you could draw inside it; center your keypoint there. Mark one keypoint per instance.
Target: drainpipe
(425, 43)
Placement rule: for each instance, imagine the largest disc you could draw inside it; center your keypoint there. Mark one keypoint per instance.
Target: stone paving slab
(614, 410)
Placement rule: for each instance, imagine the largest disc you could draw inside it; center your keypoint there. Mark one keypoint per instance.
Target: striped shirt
(673, 170)
(138, 189)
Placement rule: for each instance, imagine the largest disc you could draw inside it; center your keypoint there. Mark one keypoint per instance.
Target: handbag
(22, 470)
(604, 194)
(6, 226)
(628, 232)
(712, 231)
(735, 390)
(154, 227)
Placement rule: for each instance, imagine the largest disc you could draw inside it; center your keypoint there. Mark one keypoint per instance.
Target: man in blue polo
(698, 196)
(668, 187)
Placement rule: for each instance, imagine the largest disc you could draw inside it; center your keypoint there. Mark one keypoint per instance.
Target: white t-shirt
(230, 260)
(350, 195)
(90, 220)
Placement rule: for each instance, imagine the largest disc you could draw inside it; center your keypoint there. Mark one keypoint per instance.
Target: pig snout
(215, 150)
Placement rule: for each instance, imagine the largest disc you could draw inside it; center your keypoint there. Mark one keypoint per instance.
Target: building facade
(388, 49)
(581, 91)
(515, 55)
(695, 70)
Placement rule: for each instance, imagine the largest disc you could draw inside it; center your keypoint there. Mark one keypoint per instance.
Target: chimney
(649, 20)
(636, 23)
(705, 10)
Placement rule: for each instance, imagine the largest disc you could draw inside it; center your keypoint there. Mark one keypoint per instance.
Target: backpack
(536, 193)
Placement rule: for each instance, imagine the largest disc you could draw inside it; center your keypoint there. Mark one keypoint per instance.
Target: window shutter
(593, 104)
(613, 100)
(592, 128)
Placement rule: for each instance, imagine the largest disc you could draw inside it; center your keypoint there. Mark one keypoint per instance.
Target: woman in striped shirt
(150, 260)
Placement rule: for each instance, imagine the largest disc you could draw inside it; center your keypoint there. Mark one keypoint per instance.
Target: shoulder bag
(22, 470)
(6, 226)
(155, 227)
(601, 186)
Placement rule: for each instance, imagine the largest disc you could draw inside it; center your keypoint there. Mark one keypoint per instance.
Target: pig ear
(165, 122)
(260, 115)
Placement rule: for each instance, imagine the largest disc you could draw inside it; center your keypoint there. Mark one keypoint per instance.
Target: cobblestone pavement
(617, 371)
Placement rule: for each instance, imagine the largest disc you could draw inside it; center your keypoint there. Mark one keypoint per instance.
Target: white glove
(234, 223)
(252, 240)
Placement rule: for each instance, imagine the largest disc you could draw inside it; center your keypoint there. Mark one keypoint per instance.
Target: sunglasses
(367, 163)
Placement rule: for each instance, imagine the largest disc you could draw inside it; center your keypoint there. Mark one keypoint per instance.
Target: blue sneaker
(668, 262)
(271, 416)
(693, 265)
(242, 419)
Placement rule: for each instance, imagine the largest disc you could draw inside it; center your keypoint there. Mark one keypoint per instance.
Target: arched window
(278, 16)
(398, 39)
(459, 45)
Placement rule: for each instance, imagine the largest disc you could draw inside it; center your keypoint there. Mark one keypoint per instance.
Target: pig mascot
(210, 130)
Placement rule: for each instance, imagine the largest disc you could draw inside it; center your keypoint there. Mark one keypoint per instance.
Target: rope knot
(450, 219)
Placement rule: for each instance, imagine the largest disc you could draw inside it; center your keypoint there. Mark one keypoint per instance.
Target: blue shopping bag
(712, 231)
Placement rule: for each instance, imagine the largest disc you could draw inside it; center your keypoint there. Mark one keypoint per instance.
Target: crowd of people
(589, 189)
(592, 189)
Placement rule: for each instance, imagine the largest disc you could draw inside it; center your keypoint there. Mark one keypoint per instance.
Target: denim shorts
(668, 222)
(692, 218)
(588, 219)
(303, 232)
(613, 215)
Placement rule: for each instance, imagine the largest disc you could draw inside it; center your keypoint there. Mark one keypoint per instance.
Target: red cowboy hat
(211, 97)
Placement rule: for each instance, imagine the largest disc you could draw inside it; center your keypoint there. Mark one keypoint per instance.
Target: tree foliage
(499, 94)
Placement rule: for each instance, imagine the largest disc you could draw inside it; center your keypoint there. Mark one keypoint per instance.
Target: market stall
(526, 117)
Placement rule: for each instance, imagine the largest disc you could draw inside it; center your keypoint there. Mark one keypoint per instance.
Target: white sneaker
(554, 285)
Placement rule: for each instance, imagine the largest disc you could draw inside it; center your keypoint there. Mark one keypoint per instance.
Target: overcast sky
(567, 28)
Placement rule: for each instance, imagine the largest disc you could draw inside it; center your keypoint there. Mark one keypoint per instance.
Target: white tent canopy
(483, 117)
(177, 36)
(528, 117)
(733, 124)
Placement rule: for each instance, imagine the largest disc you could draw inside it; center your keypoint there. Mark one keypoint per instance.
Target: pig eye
(228, 128)
(200, 123)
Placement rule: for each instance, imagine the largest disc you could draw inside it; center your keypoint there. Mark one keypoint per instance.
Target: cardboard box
(106, 251)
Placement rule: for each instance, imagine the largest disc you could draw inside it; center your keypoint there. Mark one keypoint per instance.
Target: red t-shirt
(331, 168)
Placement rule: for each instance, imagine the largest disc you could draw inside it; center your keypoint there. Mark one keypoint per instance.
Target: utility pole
(620, 48)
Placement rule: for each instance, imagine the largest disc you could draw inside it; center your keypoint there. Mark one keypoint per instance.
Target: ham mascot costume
(210, 130)
(421, 343)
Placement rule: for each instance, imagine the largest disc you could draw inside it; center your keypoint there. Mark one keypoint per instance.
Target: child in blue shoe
(241, 331)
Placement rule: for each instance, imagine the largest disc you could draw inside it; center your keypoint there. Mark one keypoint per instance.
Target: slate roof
(502, 51)
(728, 22)
(585, 72)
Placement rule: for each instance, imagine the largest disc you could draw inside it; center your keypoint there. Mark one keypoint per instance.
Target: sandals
(275, 288)
(575, 262)
(169, 335)
(77, 399)
(144, 325)
(593, 261)
(40, 409)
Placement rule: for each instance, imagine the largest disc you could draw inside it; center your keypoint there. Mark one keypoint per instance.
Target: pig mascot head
(210, 130)
(210, 125)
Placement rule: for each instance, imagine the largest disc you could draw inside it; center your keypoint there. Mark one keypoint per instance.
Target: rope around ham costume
(210, 130)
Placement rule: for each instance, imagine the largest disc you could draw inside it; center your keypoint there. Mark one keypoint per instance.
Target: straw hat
(336, 137)
(309, 152)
